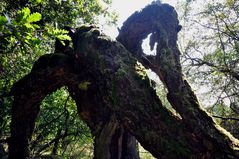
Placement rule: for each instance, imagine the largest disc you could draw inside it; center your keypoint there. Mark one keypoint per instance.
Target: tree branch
(225, 118)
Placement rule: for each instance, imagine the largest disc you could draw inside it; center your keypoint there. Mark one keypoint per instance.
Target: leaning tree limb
(160, 20)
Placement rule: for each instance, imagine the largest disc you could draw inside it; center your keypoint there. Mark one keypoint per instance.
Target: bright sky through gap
(125, 8)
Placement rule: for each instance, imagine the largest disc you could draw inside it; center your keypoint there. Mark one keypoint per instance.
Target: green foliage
(60, 34)
(64, 12)
(18, 41)
(19, 31)
(59, 130)
(35, 1)
(3, 21)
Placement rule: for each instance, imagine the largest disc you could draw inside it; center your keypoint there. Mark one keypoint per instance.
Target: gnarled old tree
(119, 104)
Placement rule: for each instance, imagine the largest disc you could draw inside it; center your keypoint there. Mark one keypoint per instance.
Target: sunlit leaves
(35, 17)
(22, 15)
(60, 34)
(36, 1)
(20, 32)
(3, 20)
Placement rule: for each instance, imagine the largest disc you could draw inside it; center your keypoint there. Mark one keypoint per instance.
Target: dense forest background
(208, 41)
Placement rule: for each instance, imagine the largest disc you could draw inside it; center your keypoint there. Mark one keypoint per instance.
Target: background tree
(209, 42)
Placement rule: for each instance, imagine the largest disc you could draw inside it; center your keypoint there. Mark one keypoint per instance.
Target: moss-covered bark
(119, 100)
(161, 20)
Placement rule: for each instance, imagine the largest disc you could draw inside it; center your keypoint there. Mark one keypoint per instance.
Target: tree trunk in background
(113, 143)
(130, 149)
(119, 101)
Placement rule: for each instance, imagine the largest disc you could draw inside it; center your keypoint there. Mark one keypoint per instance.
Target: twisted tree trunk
(161, 22)
(120, 99)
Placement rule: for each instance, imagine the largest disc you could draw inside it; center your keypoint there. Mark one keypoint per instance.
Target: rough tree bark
(120, 99)
(161, 22)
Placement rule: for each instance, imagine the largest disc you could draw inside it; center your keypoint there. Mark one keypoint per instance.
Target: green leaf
(35, 1)
(64, 37)
(26, 11)
(36, 26)
(3, 20)
(29, 26)
(36, 41)
(34, 17)
(23, 14)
